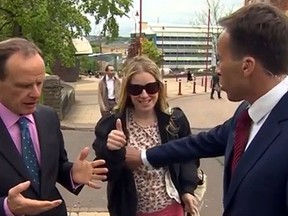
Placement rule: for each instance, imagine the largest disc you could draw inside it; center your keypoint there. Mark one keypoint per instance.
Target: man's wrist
(7, 209)
(144, 159)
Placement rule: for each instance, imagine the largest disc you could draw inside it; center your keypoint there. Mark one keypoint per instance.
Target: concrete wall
(58, 96)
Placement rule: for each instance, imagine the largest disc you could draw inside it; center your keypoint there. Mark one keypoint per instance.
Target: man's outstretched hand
(19, 205)
(88, 172)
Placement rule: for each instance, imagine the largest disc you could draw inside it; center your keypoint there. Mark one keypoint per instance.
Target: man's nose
(36, 91)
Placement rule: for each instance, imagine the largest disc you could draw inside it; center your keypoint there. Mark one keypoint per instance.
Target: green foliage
(151, 50)
(133, 49)
(52, 24)
(88, 63)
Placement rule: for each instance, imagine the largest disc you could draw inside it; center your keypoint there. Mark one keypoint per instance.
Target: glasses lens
(134, 89)
(152, 88)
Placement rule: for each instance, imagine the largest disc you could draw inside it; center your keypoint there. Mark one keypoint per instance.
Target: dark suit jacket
(259, 184)
(55, 166)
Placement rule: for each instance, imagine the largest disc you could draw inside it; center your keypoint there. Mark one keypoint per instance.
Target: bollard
(202, 81)
(179, 87)
(194, 86)
(165, 89)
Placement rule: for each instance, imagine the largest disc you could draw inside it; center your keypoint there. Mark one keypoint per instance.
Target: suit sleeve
(115, 160)
(188, 177)
(100, 97)
(203, 145)
(2, 211)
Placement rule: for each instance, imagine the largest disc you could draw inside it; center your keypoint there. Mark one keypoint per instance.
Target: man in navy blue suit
(253, 65)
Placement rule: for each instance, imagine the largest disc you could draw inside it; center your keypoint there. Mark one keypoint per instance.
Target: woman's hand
(116, 138)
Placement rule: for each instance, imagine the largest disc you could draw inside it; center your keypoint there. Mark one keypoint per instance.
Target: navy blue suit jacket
(259, 184)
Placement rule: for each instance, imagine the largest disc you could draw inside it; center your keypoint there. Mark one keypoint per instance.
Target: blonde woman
(142, 120)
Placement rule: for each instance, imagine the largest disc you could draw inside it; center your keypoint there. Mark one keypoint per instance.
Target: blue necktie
(28, 153)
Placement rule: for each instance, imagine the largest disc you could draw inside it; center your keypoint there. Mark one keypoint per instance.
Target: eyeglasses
(150, 88)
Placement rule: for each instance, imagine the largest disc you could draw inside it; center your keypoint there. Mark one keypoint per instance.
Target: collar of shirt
(107, 78)
(9, 118)
(261, 107)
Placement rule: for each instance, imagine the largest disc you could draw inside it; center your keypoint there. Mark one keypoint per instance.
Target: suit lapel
(10, 152)
(262, 141)
(228, 158)
(40, 125)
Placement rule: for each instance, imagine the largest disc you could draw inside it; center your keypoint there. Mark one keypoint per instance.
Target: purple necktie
(242, 132)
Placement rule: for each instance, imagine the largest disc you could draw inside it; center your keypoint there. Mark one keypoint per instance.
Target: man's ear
(248, 65)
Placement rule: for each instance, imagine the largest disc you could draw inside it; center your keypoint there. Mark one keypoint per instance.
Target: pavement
(85, 113)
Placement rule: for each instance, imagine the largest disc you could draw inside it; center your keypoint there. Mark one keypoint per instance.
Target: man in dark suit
(32, 153)
(253, 53)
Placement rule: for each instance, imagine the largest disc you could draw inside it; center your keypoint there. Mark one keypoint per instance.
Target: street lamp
(140, 27)
(162, 60)
(135, 22)
(135, 31)
(207, 48)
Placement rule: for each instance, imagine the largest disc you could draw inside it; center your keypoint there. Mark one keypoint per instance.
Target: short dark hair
(12, 46)
(261, 31)
(107, 67)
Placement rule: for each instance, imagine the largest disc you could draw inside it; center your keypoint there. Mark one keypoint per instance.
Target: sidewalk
(85, 112)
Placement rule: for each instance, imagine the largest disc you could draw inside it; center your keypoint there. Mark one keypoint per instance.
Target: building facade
(184, 47)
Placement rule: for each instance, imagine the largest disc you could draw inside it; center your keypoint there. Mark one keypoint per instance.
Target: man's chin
(29, 109)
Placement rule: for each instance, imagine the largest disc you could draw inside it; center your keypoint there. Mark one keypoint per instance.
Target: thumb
(83, 154)
(119, 125)
(19, 188)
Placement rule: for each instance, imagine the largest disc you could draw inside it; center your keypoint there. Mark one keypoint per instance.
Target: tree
(151, 51)
(52, 24)
(133, 49)
(148, 48)
(217, 10)
(214, 11)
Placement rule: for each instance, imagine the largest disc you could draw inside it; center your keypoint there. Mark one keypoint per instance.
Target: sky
(167, 12)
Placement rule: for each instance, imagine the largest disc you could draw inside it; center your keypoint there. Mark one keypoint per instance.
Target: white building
(184, 47)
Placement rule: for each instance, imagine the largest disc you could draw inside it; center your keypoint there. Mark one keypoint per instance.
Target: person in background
(142, 120)
(108, 91)
(215, 85)
(32, 154)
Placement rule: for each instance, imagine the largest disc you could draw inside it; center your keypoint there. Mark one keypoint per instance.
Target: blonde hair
(135, 65)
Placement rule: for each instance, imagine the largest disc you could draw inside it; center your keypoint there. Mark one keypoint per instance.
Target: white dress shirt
(110, 87)
(261, 108)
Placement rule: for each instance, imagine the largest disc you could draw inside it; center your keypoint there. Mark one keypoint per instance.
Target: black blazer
(55, 166)
(259, 185)
(121, 191)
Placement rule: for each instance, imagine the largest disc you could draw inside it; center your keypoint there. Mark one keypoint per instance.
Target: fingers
(83, 154)
(119, 125)
(93, 185)
(98, 163)
(45, 205)
(37, 206)
(19, 188)
(116, 140)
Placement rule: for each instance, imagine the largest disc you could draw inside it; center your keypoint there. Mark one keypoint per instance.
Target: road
(202, 115)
